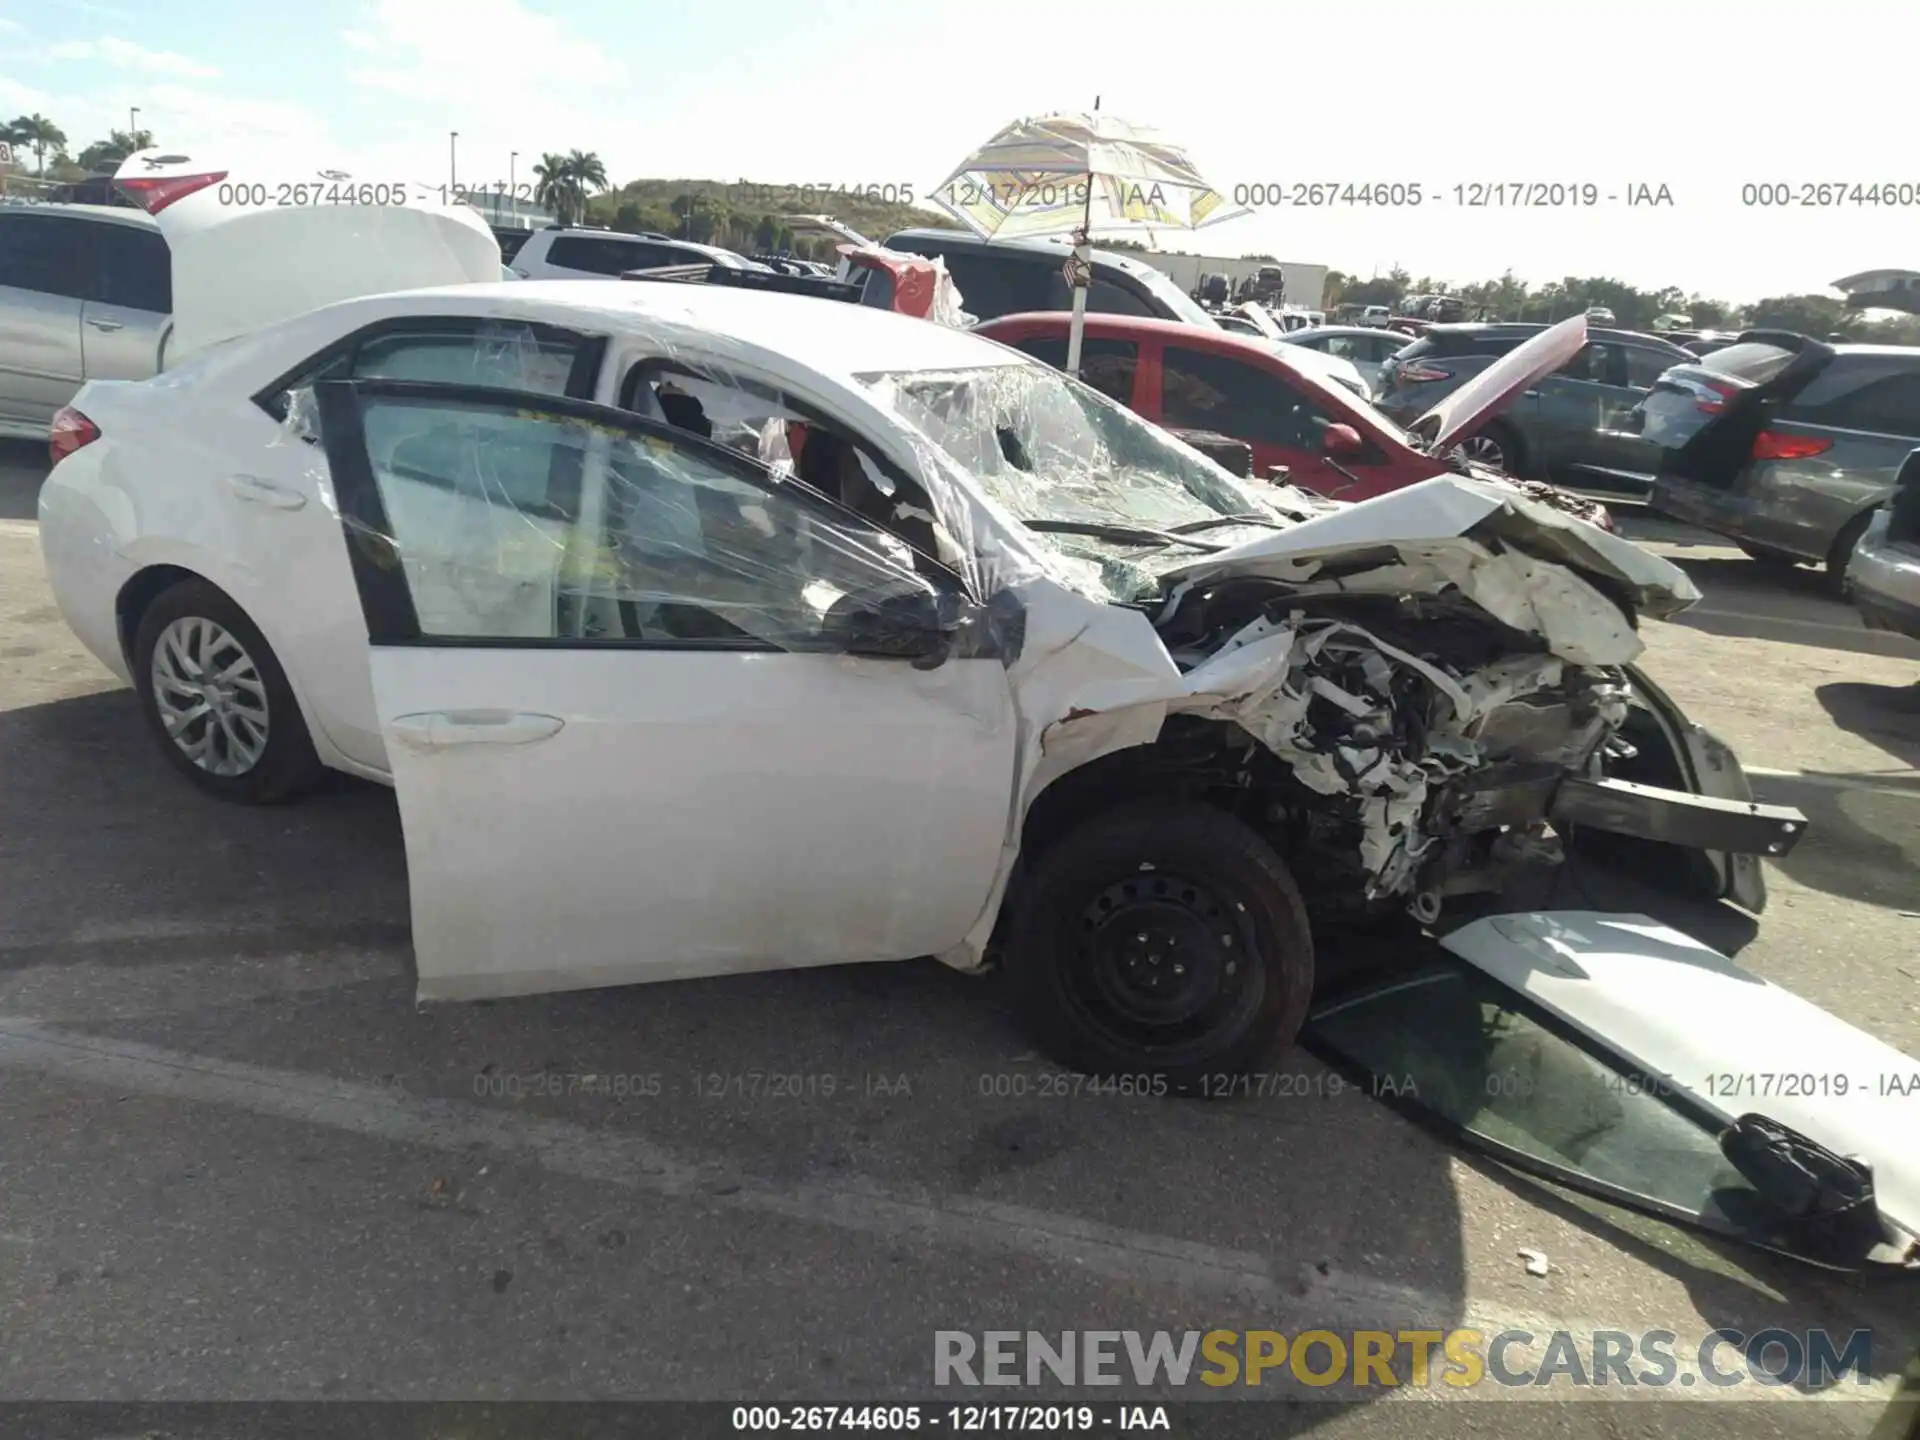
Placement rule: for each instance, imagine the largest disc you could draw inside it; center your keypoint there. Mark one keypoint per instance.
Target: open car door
(1622, 1058)
(653, 710)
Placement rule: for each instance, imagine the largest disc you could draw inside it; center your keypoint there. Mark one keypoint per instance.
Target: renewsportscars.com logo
(1373, 1359)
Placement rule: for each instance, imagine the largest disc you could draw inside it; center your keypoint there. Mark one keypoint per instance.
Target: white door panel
(694, 813)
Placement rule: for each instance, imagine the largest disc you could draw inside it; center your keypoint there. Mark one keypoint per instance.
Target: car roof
(1027, 245)
(1904, 352)
(1208, 337)
(118, 214)
(1347, 330)
(1529, 327)
(829, 336)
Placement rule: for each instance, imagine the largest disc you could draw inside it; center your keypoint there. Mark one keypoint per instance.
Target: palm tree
(587, 173)
(553, 187)
(108, 153)
(39, 132)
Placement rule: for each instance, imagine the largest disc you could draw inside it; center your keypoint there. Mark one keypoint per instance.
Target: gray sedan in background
(1367, 347)
(86, 293)
(1784, 444)
(1572, 424)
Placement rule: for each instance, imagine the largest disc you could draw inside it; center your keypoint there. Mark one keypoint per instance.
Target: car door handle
(1529, 394)
(439, 729)
(104, 322)
(265, 492)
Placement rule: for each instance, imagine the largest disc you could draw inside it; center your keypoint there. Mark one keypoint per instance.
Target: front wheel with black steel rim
(1162, 939)
(215, 697)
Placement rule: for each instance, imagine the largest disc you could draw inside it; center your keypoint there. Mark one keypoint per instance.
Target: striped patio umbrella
(1080, 174)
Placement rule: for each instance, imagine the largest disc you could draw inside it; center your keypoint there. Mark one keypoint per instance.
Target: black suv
(1573, 421)
(1011, 277)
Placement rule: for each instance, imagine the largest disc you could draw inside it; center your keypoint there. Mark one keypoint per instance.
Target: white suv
(575, 253)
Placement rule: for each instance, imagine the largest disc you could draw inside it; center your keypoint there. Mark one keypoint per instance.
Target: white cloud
(126, 55)
(18, 99)
(462, 51)
(11, 25)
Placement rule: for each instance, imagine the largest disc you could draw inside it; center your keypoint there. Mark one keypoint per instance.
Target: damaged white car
(704, 631)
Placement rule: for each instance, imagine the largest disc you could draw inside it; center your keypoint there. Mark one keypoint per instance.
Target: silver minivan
(86, 293)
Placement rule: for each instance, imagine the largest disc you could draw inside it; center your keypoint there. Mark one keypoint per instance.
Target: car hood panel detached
(1488, 393)
(1698, 1026)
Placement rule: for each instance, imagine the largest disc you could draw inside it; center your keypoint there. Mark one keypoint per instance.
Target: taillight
(155, 192)
(1422, 374)
(71, 430)
(1721, 395)
(1776, 445)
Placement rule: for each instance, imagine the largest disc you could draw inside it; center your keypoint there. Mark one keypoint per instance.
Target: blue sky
(871, 92)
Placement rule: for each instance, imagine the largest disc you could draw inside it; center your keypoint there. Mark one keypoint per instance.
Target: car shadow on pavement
(23, 465)
(1791, 605)
(277, 937)
(1887, 715)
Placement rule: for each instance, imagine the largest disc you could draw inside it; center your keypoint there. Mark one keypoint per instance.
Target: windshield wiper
(1214, 522)
(1119, 534)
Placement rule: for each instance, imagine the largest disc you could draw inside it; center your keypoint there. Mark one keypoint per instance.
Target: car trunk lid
(1707, 416)
(253, 247)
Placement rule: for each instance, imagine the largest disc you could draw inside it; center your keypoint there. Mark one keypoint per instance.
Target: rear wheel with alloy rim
(1163, 939)
(216, 698)
(1495, 447)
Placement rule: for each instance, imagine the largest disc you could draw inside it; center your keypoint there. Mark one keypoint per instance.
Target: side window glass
(1347, 347)
(1214, 392)
(1887, 406)
(1110, 298)
(42, 253)
(512, 525)
(1582, 366)
(1109, 366)
(1645, 366)
(132, 267)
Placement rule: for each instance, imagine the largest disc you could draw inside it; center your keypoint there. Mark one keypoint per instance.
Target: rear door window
(44, 253)
(1109, 366)
(991, 286)
(1202, 391)
(1111, 298)
(132, 267)
(598, 254)
(1644, 365)
(1889, 405)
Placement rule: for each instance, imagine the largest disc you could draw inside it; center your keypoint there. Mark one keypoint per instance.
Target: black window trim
(392, 620)
(581, 379)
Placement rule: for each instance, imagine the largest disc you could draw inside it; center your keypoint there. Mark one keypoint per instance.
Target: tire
(192, 616)
(1179, 871)
(1841, 553)
(1766, 554)
(1506, 439)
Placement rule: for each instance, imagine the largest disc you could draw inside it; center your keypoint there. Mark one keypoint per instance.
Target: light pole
(453, 173)
(513, 194)
(133, 125)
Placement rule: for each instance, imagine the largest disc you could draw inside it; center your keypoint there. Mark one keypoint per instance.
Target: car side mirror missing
(918, 625)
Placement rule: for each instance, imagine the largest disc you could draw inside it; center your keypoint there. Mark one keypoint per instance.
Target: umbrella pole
(1080, 276)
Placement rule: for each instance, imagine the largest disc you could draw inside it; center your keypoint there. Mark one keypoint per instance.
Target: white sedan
(939, 651)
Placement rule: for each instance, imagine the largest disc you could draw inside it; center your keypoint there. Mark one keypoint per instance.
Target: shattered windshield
(1089, 476)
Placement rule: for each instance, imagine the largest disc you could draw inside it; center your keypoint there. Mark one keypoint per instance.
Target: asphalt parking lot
(239, 1163)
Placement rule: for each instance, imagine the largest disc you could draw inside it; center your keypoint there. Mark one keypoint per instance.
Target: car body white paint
(752, 810)
(1684, 1014)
